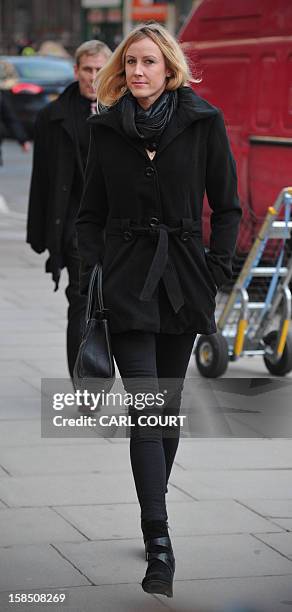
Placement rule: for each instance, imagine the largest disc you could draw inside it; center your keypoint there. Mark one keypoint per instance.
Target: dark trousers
(77, 304)
(142, 359)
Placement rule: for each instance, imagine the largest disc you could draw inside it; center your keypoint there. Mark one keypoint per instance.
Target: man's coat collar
(60, 108)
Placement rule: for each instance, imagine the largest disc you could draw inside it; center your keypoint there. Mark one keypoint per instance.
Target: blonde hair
(92, 47)
(111, 82)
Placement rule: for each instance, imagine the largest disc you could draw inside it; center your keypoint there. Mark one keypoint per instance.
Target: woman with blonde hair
(155, 148)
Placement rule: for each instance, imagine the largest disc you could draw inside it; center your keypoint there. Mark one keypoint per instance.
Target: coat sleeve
(221, 188)
(92, 216)
(39, 188)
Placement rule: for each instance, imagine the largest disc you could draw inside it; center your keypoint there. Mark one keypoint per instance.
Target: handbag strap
(95, 297)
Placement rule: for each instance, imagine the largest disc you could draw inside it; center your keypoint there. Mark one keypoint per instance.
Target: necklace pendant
(151, 154)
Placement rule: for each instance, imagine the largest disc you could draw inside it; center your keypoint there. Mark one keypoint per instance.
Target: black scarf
(147, 125)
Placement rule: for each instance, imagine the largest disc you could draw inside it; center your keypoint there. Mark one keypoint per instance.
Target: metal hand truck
(245, 326)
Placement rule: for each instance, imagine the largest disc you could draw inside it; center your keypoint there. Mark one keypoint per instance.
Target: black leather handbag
(94, 365)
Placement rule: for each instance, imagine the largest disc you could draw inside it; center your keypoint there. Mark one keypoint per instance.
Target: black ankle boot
(161, 566)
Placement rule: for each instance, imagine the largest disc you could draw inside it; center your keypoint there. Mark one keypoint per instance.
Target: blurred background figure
(9, 124)
(53, 48)
(25, 46)
(30, 83)
(60, 154)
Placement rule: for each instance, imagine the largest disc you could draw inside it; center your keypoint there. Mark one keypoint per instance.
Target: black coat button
(153, 221)
(58, 221)
(184, 236)
(149, 171)
(128, 235)
(65, 187)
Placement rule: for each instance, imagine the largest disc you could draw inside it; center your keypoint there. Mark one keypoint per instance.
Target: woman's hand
(26, 146)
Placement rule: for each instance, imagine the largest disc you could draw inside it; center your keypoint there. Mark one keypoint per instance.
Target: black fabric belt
(161, 266)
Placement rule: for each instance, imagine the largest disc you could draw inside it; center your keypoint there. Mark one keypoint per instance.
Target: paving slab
(35, 526)
(105, 521)
(108, 562)
(275, 508)
(29, 280)
(282, 542)
(219, 517)
(226, 454)
(26, 338)
(36, 352)
(226, 556)
(235, 484)
(253, 594)
(24, 314)
(18, 409)
(36, 382)
(255, 412)
(213, 556)
(23, 567)
(3, 303)
(184, 518)
(244, 368)
(15, 387)
(34, 274)
(284, 523)
(122, 597)
(37, 292)
(72, 490)
(66, 460)
(118, 441)
(56, 368)
(10, 264)
(15, 434)
(10, 327)
(19, 368)
(47, 304)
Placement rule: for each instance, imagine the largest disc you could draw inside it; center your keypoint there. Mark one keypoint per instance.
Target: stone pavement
(69, 519)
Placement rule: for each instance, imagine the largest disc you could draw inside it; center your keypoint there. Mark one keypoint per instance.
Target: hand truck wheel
(284, 364)
(212, 355)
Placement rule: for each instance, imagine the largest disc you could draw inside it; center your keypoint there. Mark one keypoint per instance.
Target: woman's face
(146, 71)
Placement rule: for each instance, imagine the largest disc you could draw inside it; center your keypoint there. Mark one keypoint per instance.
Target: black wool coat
(54, 170)
(142, 219)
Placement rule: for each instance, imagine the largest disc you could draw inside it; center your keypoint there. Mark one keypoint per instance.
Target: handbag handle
(95, 293)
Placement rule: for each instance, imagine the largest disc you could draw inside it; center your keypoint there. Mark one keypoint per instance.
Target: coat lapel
(60, 110)
(190, 108)
(111, 119)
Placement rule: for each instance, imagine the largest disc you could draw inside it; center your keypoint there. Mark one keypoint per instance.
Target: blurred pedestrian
(61, 142)
(9, 125)
(153, 152)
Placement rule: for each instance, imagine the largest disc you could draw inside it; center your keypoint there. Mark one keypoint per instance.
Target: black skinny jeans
(143, 356)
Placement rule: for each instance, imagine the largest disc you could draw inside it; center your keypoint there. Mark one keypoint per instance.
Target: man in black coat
(9, 124)
(60, 153)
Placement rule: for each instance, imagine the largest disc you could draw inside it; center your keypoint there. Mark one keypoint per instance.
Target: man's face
(86, 73)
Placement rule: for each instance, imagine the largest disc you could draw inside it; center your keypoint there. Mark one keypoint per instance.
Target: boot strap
(163, 541)
(165, 557)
